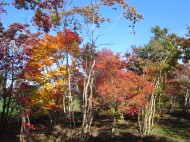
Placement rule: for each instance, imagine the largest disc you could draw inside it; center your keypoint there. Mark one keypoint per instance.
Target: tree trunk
(114, 121)
(187, 101)
(87, 105)
(25, 129)
(146, 117)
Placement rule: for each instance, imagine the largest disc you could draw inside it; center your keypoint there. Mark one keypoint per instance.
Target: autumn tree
(155, 61)
(182, 74)
(14, 42)
(179, 87)
(47, 69)
(120, 90)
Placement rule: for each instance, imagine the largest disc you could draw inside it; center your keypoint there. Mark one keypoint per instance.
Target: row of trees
(44, 73)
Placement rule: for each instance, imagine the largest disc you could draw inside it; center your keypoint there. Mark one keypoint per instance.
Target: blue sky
(172, 14)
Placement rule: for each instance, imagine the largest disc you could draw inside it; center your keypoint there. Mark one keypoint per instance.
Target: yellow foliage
(50, 75)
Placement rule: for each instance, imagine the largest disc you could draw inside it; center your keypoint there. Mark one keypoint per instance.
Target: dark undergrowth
(173, 127)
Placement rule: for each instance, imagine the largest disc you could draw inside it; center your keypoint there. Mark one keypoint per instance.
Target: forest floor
(172, 127)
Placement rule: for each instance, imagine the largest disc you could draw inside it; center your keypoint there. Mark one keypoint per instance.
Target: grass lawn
(174, 128)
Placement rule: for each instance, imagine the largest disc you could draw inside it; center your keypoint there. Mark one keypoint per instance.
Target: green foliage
(164, 101)
(159, 34)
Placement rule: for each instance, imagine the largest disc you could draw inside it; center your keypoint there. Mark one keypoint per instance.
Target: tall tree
(119, 89)
(155, 61)
(14, 43)
(47, 68)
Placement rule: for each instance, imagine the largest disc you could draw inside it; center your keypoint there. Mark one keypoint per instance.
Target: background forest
(56, 85)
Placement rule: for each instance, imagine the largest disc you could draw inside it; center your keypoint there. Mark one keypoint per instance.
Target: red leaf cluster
(117, 85)
(68, 37)
(28, 125)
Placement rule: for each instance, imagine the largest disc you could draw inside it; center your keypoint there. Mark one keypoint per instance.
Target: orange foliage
(46, 68)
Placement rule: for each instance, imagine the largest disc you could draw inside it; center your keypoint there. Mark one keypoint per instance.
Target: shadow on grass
(126, 137)
(125, 132)
(177, 124)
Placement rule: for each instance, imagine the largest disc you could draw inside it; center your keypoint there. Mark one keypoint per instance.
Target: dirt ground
(172, 128)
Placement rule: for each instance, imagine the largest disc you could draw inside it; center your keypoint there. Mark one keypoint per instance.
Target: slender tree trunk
(25, 128)
(6, 102)
(114, 120)
(87, 105)
(146, 117)
(187, 101)
(3, 120)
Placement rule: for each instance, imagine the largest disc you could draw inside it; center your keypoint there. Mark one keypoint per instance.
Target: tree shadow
(177, 124)
(126, 137)
(9, 138)
(127, 132)
(11, 133)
